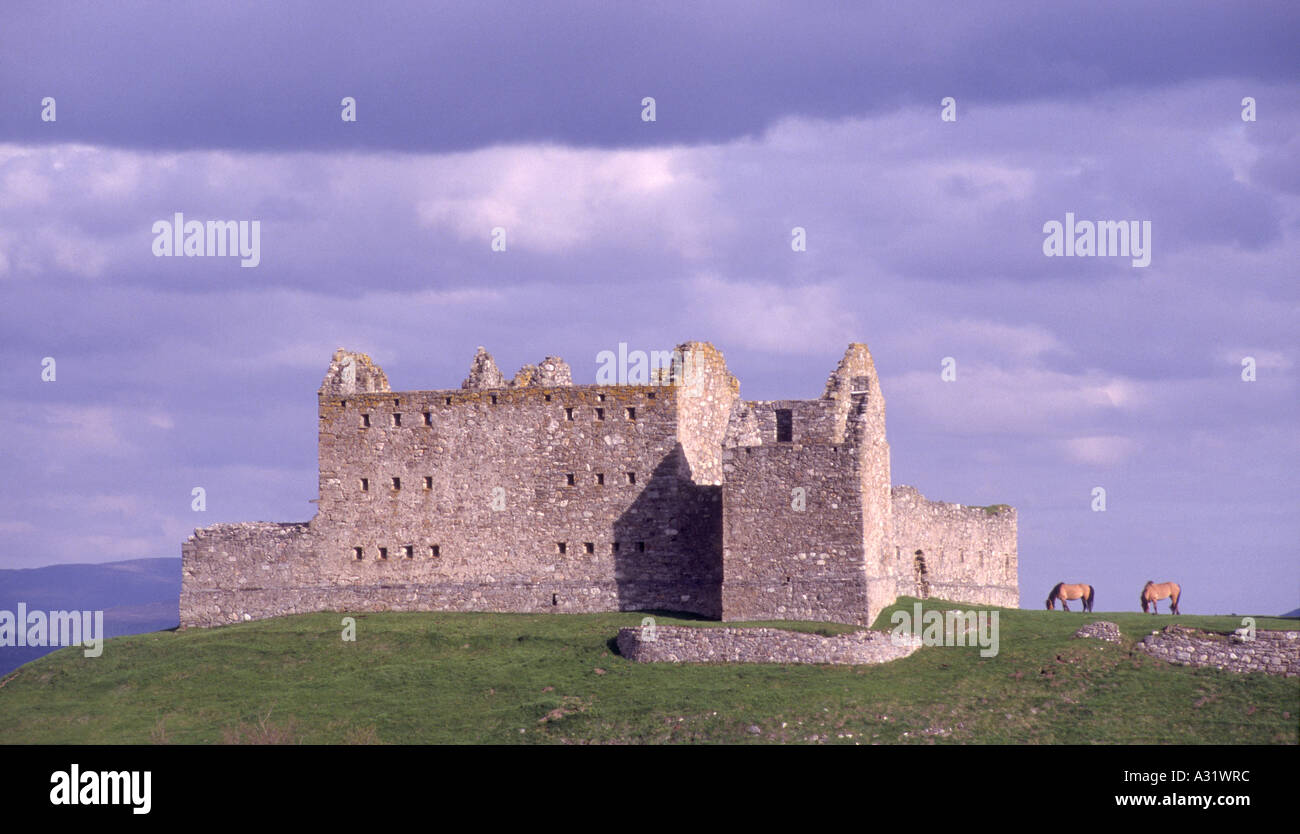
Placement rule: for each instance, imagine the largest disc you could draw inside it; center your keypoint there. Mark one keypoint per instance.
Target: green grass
(545, 678)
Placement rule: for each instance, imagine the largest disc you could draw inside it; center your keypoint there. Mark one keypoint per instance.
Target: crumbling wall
(1271, 652)
(953, 552)
(681, 644)
(233, 572)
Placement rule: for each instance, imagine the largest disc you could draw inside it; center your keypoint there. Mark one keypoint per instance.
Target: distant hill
(136, 596)
(1295, 613)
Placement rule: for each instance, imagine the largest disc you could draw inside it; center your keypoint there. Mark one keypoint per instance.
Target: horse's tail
(1092, 592)
(1055, 592)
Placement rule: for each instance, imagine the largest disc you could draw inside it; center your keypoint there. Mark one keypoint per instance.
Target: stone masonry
(681, 644)
(535, 494)
(1271, 652)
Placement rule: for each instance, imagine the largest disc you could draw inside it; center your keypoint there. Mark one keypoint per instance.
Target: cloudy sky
(924, 240)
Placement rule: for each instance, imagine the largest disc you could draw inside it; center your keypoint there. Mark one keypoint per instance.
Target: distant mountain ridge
(136, 596)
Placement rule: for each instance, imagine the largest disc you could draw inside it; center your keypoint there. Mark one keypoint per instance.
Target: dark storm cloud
(454, 76)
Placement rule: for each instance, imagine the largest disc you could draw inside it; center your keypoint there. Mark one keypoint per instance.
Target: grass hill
(546, 678)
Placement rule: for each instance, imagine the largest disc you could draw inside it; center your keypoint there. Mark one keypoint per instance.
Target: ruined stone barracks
(535, 494)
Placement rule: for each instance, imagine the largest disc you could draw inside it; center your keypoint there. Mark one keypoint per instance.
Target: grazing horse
(1153, 593)
(1064, 592)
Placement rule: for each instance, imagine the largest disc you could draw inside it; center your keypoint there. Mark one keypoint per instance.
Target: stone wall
(533, 494)
(1273, 652)
(783, 563)
(682, 644)
(965, 553)
(231, 572)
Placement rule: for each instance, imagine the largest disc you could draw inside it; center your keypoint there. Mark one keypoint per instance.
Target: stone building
(535, 494)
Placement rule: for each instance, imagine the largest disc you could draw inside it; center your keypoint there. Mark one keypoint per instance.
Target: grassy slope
(482, 678)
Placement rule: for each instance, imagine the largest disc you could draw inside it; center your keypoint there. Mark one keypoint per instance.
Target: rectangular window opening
(600, 414)
(569, 479)
(358, 554)
(365, 421)
(428, 418)
(435, 551)
(397, 419)
(428, 482)
(365, 484)
(561, 548)
(568, 414)
(408, 551)
(494, 399)
(784, 425)
(590, 547)
(631, 477)
(397, 483)
(383, 553)
(447, 401)
(631, 412)
(600, 479)
(640, 547)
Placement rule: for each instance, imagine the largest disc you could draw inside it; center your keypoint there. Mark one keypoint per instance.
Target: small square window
(448, 401)
(548, 398)
(397, 419)
(613, 548)
(397, 483)
(428, 482)
(494, 399)
(590, 547)
(365, 421)
(600, 398)
(631, 477)
(568, 414)
(650, 395)
(365, 484)
(428, 418)
(600, 414)
(630, 412)
(600, 479)
(435, 551)
(383, 553)
(640, 547)
(358, 554)
(561, 548)
(397, 403)
(569, 479)
(408, 551)
(343, 403)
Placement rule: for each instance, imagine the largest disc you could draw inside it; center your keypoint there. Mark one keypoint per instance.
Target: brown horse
(1153, 593)
(1064, 592)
